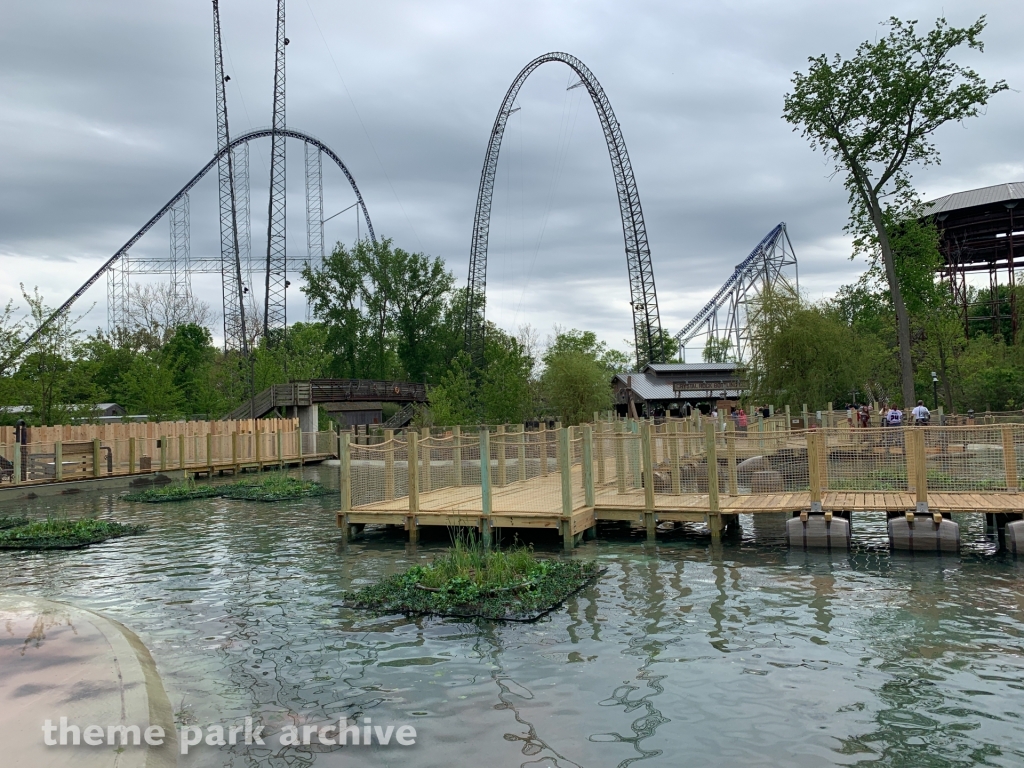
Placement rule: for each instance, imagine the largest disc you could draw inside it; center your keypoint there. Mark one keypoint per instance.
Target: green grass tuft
(273, 487)
(65, 534)
(469, 580)
(175, 492)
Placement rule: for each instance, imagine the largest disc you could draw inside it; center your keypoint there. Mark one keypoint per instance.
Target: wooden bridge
(644, 475)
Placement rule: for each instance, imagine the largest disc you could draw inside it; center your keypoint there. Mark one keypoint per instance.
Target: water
(756, 657)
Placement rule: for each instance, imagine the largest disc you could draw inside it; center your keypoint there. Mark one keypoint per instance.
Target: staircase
(401, 418)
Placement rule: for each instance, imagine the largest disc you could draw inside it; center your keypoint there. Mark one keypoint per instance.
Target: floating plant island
(469, 581)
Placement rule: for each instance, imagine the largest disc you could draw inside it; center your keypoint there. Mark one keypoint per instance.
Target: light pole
(935, 390)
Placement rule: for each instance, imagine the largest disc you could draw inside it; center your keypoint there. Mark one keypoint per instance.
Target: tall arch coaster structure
(643, 297)
(197, 265)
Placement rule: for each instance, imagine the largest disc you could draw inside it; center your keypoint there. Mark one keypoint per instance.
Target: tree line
(379, 312)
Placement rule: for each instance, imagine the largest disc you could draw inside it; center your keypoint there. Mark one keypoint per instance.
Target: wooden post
(131, 455)
(499, 438)
(344, 484)
(414, 485)
(828, 418)
(558, 455)
(234, 450)
(803, 415)
(209, 453)
(257, 438)
(814, 472)
(298, 444)
(920, 470)
(163, 454)
(647, 455)
(714, 510)
(424, 448)
(485, 486)
(730, 443)
(635, 463)
(345, 476)
(457, 454)
(599, 453)
(389, 464)
(16, 478)
(542, 437)
(280, 447)
(788, 420)
(673, 457)
(588, 465)
(58, 461)
(181, 452)
(1010, 459)
(95, 457)
(521, 451)
(565, 470)
(620, 457)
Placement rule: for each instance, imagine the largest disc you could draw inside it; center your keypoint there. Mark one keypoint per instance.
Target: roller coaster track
(643, 296)
(762, 267)
(244, 138)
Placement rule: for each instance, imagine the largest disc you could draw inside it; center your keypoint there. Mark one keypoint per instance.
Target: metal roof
(648, 387)
(679, 368)
(999, 193)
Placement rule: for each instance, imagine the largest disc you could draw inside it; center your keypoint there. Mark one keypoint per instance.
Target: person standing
(864, 416)
(921, 414)
(894, 418)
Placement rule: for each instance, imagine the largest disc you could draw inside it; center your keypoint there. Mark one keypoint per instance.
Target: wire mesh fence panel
(462, 490)
(972, 458)
(368, 468)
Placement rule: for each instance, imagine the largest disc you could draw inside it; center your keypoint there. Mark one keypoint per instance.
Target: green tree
(576, 382)
(717, 350)
(149, 389)
(506, 396)
(804, 354)
(453, 400)
(874, 116)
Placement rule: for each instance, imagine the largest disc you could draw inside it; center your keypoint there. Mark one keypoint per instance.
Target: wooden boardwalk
(538, 503)
(644, 479)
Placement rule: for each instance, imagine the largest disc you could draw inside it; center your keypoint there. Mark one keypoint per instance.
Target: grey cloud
(106, 109)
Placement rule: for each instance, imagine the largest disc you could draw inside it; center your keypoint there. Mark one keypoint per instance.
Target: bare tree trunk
(902, 317)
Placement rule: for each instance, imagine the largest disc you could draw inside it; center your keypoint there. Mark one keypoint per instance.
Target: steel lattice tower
(235, 337)
(240, 163)
(314, 210)
(275, 308)
(181, 273)
(117, 294)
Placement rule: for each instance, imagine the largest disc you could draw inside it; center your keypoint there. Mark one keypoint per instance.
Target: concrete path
(57, 661)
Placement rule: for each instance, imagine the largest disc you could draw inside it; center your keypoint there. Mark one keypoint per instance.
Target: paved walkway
(57, 661)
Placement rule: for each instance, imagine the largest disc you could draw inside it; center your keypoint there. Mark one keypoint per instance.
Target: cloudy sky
(106, 109)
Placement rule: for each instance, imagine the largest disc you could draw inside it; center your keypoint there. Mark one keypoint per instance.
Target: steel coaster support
(726, 315)
(118, 296)
(314, 210)
(214, 162)
(275, 308)
(643, 296)
(235, 336)
(181, 274)
(240, 167)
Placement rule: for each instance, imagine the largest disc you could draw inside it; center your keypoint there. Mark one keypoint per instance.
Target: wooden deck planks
(537, 503)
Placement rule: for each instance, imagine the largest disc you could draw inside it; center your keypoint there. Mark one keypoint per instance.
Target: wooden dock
(643, 478)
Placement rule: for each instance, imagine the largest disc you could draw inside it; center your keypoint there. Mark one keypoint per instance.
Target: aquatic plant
(12, 522)
(273, 487)
(62, 533)
(470, 580)
(175, 492)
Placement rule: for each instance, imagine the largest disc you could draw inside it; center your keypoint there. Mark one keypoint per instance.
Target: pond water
(679, 655)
